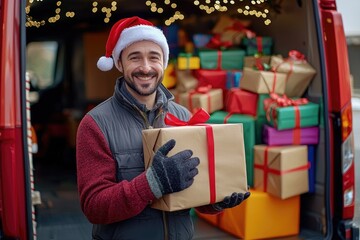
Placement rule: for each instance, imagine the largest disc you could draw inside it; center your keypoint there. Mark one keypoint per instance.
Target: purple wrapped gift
(273, 137)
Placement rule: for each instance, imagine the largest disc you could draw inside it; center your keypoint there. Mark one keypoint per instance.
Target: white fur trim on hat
(139, 33)
(105, 63)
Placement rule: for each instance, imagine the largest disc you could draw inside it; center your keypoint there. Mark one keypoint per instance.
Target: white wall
(351, 16)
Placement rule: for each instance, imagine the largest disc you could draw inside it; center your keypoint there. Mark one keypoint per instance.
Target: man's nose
(145, 66)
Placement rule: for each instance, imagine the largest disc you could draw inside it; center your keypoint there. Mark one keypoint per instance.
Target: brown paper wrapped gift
(185, 80)
(263, 81)
(281, 171)
(218, 177)
(299, 71)
(203, 97)
(251, 61)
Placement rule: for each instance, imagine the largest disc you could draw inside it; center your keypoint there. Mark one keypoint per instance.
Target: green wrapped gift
(260, 105)
(307, 115)
(258, 45)
(220, 117)
(230, 59)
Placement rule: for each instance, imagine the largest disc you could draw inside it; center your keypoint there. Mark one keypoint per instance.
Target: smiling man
(115, 189)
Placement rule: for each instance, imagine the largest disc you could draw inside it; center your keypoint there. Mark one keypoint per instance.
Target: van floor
(59, 216)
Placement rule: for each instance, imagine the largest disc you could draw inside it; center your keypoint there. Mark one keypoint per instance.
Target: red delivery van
(49, 80)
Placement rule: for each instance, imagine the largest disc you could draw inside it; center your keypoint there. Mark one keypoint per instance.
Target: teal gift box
(221, 117)
(229, 59)
(305, 115)
(258, 45)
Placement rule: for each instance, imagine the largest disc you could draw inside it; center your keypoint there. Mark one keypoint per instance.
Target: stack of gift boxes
(238, 79)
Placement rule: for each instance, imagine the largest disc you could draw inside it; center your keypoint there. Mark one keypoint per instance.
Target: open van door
(15, 199)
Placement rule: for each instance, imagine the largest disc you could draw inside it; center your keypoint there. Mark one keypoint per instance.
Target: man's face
(142, 64)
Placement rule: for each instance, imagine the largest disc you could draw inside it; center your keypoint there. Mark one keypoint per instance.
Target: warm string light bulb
(210, 6)
(158, 8)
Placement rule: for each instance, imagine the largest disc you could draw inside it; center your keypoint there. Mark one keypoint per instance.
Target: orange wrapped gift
(260, 216)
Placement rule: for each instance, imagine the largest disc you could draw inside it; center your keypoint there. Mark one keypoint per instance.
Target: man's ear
(121, 69)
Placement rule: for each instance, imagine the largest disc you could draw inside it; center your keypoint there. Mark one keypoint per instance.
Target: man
(115, 189)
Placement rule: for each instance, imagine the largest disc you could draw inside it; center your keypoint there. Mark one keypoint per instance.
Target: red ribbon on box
(201, 90)
(268, 170)
(277, 101)
(293, 56)
(216, 43)
(199, 118)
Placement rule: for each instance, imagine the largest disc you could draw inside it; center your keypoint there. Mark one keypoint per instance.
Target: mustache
(142, 74)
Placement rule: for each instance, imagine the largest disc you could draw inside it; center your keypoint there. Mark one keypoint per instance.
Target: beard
(143, 89)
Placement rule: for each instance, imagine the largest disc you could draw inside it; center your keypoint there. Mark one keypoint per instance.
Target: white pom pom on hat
(127, 31)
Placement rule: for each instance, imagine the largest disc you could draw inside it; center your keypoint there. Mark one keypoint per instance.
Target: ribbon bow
(296, 55)
(285, 101)
(215, 42)
(199, 117)
(240, 27)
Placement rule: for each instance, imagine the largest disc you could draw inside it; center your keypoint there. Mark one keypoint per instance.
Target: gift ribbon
(188, 57)
(219, 60)
(268, 170)
(200, 90)
(239, 27)
(215, 42)
(293, 56)
(277, 101)
(200, 117)
(272, 90)
(259, 44)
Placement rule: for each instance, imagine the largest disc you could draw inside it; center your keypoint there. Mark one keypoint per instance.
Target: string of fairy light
(248, 8)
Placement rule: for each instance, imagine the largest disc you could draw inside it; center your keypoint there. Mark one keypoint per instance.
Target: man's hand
(171, 174)
(231, 201)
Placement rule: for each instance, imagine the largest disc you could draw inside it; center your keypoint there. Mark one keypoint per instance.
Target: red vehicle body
(17, 216)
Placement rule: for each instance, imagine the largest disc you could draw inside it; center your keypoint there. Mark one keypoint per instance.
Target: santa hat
(127, 31)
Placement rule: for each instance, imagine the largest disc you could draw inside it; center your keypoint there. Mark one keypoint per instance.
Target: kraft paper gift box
(209, 99)
(188, 61)
(248, 122)
(230, 59)
(302, 115)
(300, 74)
(258, 217)
(215, 78)
(185, 80)
(296, 136)
(241, 101)
(252, 61)
(233, 79)
(258, 45)
(263, 81)
(281, 171)
(222, 168)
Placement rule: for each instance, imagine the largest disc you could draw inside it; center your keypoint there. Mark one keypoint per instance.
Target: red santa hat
(127, 31)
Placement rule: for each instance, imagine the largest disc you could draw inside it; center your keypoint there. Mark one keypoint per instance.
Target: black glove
(171, 174)
(231, 201)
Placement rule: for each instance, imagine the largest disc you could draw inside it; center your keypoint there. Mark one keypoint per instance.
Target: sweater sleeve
(103, 200)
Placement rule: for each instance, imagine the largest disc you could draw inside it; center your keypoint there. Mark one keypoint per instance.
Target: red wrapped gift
(215, 78)
(241, 101)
